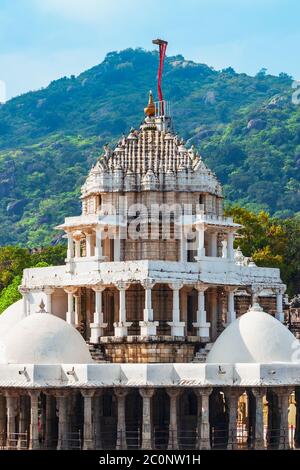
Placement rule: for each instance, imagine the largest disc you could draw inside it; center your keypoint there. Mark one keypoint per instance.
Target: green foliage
(12, 262)
(271, 242)
(50, 138)
(10, 294)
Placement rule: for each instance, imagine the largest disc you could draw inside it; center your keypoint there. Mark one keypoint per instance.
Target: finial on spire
(150, 109)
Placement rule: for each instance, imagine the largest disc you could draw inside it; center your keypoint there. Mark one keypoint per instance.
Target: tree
(10, 294)
(271, 242)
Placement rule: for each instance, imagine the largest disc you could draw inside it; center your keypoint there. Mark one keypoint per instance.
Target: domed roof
(42, 338)
(10, 317)
(255, 337)
(151, 149)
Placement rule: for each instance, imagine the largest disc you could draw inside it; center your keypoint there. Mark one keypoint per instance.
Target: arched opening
(187, 420)
(161, 419)
(134, 419)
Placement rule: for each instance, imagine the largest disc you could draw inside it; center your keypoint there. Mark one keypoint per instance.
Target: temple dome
(255, 337)
(42, 338)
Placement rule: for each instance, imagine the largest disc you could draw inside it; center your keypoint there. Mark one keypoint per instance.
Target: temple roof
(152, 157)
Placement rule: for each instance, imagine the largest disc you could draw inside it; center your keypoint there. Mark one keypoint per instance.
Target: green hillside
(246, 128)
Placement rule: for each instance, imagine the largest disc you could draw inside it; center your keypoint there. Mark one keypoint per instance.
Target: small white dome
(254, 337)
(10, 317)
(42, 338)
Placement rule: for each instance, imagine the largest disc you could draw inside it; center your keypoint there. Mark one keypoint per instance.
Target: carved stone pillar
(183, 246)
(148, 326)
(230, 250)
(62, 401)
(213, 303)
(200, 238)
(201, 324)
(117, 246)
(34, 419)
(70, 315)
(214, 244)
(2, 419)
(283, 395)
(231, 314)
(121, 424)
(77, 296)
(88, 438)
(259, 394)
(177, 327)
(232, 397)
(279, 303)
(12, 405)
(98, 245)
(121, 327)
(147, 394)
(173, 427)
(88, 241)
(77, 248)
(98, 325)
(97, 419)
(50, 421)
(70, 252)
(25, 297)
(48, 291)
(203, 423)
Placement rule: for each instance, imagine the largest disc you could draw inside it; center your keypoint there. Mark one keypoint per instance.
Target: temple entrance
(134, 419)
(161, 419)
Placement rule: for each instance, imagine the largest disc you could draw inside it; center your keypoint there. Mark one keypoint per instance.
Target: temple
(156, 333)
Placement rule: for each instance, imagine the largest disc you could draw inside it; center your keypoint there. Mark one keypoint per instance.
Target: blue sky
(41, 40)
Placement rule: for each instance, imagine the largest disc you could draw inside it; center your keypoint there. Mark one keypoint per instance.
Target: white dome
(42, 338)
(254, 337)
(10, 317)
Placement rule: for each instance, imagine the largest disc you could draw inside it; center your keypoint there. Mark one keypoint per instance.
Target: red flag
(162, 54)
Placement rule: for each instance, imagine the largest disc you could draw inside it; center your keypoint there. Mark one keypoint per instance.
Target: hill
(246, 128)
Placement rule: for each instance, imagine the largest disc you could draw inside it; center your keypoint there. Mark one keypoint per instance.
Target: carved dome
(151, 150)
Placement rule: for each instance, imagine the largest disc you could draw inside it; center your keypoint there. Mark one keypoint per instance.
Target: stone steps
(97, 353)
(201, 355)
